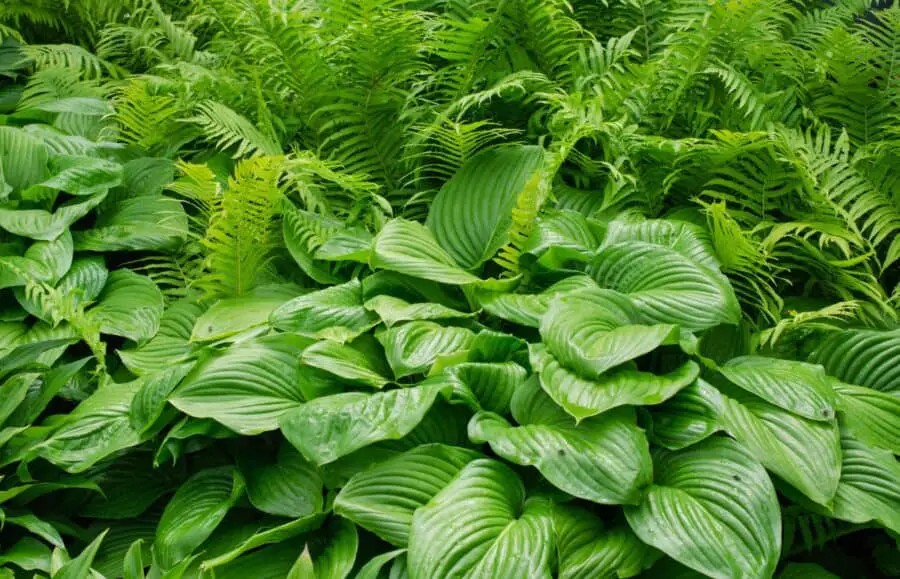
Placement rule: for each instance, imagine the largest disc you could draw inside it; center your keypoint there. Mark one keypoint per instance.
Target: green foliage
(449, 288)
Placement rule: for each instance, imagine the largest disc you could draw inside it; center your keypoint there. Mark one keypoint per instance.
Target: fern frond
(819, 320)
(54, 84)
(228, 130)
(524, 215)
(68, 56)
(804, 531)
(145, 119)
(243, 230)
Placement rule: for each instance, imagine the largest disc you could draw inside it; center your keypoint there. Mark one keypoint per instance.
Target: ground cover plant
(449, 289)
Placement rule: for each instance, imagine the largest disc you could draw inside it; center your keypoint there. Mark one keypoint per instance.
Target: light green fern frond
(145, 118)
(229, 131)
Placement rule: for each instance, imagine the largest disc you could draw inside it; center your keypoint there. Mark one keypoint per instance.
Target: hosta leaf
(130, 306)
(593, 332)
(605, 459)
(872, 416)
(523, 309)
(559, 236)
(266, 536)
(587, 550)
(28, 554)
(13, 392)
(713, 508)
(409, 248)
(158, 352)
(620, 387)
(129, 486)
(247, 387)
(18, 270)
(99, 427)
(194, 512)
(36, 526)
(37, 399)
(328, 428)
(24, 157)
(335, 313)
(146, 176)
(80, 566)
(492, 384)
(869, 489)
(83, 176)
(392, 310)
(805, 453)
(41, 224)
(271, 562)
(376, 568)
(347, 362)
(481, 526)
(472, 213)
(691, 241)
(412, 348)
(231, 316)
(334, 551)
(686, 418)
(353, 244)
(862, 357)
(665, 286)
(134, 561)
(85, 279)
(797, 387)
(289, 487)
(384, 498)
(150, 400)
(137, 224)
(56, 255)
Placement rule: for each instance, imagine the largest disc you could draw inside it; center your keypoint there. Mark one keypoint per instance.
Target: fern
(144, 118)
(227, 129)
(242, 228)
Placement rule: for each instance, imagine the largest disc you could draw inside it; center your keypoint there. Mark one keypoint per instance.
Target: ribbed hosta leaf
(335, 313)
(353, 244)
(130, 306)
(595, 331)
(41, 224)
(80, 175)
(409, 248)
(390, 565)
(472, 213)
(412, 348)
(686, 418)
(804, 452)
(231, 316)
(480, 525)
(137, 224)
(347, 362)
(170, 344)
(328, 428)
(56, 255)
(713, 508)
(16, 270)
(797, 387)
(247, 387)
(80, 286)
(605, 459)
(620, 387)
(872, 416)
(129, 486)
(13, 392)
(492, 384)
(150, 400)
(194, 512)
(29, 554)
(862, 357)
(523, 309)
(869, 489)
(300, 229)
(392, 310)
(80, 566)
(559, 236)
(266, 535)
(665, 286)
(289, 487)
(587, 550)
(30, 156)
(384, 498)
(99, 427)
(691, 241)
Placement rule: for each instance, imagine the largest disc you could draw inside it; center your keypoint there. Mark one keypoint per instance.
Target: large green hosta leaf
(604, 459)
(869, 489)
(691, 241)
(472, 213)
(806, 453)
(130, 306)
(137, 224)
(289, 487)
(328, 428)
(384, 498)
(872, 416)
(413, 348)
(392, 310)
(335, 313)
(587, 550)
(591, 332)
(56, 255)
(41, 224)
(97, 428)
(797, 387)
(194, 513)
(666, 286)
(480, 525)
(409, 248)
(231, 316)
(862, 357)
(171, 343)
(150, 401)
(248, 386)
(357, 365)
(491, 384)
(82, 176)
(623, 386)
(713, 508)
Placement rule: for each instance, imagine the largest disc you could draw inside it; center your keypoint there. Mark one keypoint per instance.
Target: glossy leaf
(414, 347)
(409, 248)
(335, 313)
(872, 416)
(289, 487)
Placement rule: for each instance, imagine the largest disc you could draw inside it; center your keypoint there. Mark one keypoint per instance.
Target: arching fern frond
(145, 118)
(229, 131)
(68, 56)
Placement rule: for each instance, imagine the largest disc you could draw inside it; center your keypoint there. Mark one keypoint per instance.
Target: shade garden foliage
(449, 289)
